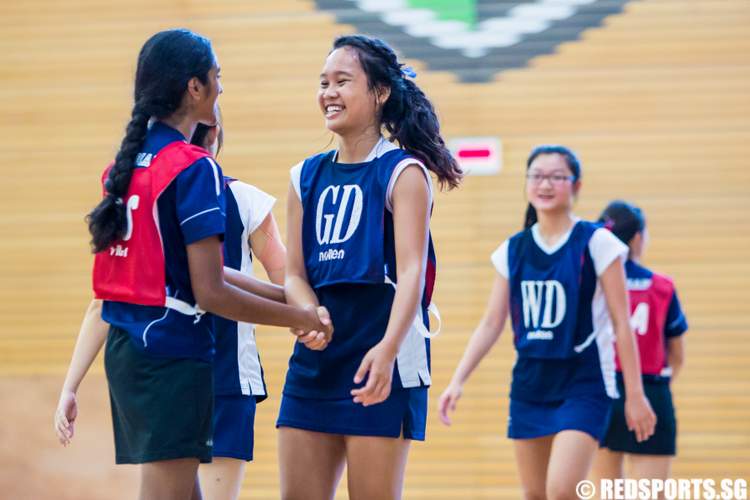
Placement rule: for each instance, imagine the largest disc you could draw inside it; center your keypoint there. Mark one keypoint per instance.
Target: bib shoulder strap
(417, 323)
(180, 153)
(170, 162)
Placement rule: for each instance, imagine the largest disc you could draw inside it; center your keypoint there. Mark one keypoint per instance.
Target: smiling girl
(561, 280)
(358, 223)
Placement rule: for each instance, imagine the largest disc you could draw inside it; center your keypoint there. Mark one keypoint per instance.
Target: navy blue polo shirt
(190, 209)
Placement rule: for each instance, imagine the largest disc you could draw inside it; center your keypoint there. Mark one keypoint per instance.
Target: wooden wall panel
(655, 101)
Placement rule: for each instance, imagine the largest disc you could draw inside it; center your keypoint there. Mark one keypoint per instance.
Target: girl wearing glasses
(562, 281)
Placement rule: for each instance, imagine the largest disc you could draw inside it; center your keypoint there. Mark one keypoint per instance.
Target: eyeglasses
(554, 179)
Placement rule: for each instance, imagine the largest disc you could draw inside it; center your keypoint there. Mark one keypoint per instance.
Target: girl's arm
(638, 413)
(91, 337)
(410, 221)
(676, 354)
(484, 337)
(254, 285)
(266, 244)
(296, 287)
(217, 296)
(268, 247)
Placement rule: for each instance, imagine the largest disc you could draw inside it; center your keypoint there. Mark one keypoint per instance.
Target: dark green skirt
(161, 408)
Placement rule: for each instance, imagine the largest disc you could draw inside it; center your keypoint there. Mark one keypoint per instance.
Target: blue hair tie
(407, 71)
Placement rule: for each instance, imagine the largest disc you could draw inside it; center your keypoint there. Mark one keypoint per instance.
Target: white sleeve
(397, 172)
(605, 247)
(296, 174)
(254, 203)
(499, 259)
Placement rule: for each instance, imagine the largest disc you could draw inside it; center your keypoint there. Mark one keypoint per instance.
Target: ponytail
(624, 219)
(530, 218)
(412, 121)
(407, 115)
(107, 221)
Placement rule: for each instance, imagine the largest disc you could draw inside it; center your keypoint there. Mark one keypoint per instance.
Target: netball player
(359, 244)
(561, 280)
(236, 363)
(658, 321)
(158, 269)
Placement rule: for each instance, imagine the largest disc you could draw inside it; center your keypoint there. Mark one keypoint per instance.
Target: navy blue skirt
(404, 413)
(589, 414)
(234, 418)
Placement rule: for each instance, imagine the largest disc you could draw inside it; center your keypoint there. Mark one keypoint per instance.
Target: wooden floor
(655, 101)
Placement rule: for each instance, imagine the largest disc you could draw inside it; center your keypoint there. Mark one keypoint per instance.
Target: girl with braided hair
(157, 234)
(359, 244)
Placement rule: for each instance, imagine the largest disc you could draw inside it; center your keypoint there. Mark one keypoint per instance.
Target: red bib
(132, 269)
(649, 307)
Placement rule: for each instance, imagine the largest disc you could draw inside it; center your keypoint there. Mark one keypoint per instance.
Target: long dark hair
(407, 115)
(624, 219)
(166, 63)
(548, 149)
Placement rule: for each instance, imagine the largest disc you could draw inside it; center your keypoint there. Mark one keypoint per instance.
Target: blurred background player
(659, 324)
(561, 280)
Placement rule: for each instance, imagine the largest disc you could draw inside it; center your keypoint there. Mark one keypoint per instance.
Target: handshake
(318, 328)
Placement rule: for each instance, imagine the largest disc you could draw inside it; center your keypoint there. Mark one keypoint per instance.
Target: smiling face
(550, 184)
(347, 104)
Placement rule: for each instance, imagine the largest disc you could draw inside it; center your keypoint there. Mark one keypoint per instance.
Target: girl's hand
(448, 400)
(639, 416)
(377, 365)
(65, 416)
(317, 339)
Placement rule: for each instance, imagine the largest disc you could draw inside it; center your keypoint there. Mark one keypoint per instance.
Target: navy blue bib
(344, 210)
(551, 294)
